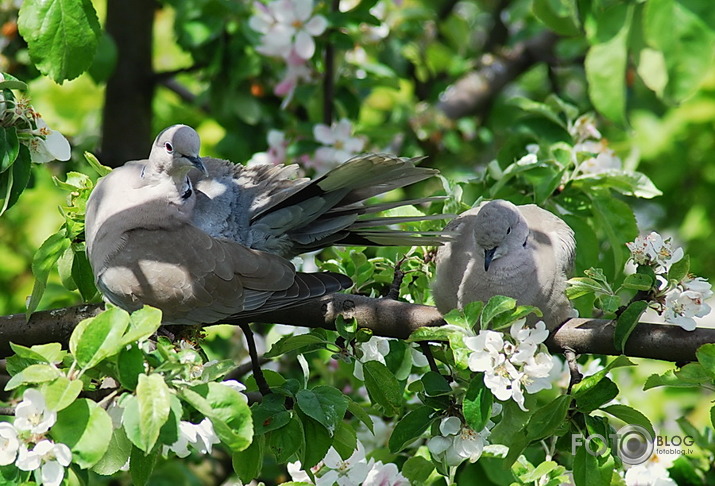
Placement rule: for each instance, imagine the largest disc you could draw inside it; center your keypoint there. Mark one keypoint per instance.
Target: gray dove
(523, 252)
(212, 245)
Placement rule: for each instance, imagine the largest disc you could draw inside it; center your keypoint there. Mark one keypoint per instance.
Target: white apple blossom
(385, 475)
(584, 128)
(47, 459)
(48, 144)
(458, 442)
(32, 414)
(375, 349)
(682, 306)
(200, 436)
(345, 472)
(648, 474)
(339, 144)
(652, 249)
(602, 159)
(9, 444)
(511, 365)
(287, 26)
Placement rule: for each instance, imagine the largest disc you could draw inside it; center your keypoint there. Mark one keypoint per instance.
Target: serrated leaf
(99, 337)
(43, 261)
(143, 323)
(345, 440)
(287, 440)
(9, 147)
(706, 357)
(549, 418)
(638, 281)
(477, 404)
(630, 416)
(410, 427)
(61, 393)
(153, 406)
(325, 404)
(130, 364)
(627, 322)
(102, 170)
(247, 464)
(499, 304)
(295, 343)
(435, 384)
(603, 392)
(360, 414)
(86, 429)
(35, 373)
(117, 455)
(382, 386)
(679, 270)
(141, 465)
(317, 441)
(61, 36)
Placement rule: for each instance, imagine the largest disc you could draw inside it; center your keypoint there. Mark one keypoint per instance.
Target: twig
(329, 77)
(574, 373)
(257, 371)
(427, 351)
(397, 278)
(7, 411)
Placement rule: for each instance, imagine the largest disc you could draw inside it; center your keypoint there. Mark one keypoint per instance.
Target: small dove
(523, 252)
(208, 241)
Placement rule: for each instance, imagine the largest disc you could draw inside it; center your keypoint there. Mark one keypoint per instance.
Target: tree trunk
(127, 115)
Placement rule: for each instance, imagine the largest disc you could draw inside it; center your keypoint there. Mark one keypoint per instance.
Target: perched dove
(155, 237)
(523, 252)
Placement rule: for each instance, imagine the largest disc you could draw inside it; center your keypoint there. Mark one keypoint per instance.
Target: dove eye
(169, 148)
(508, 230)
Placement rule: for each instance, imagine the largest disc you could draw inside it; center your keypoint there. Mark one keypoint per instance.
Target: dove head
(176, 151)
(499, 229)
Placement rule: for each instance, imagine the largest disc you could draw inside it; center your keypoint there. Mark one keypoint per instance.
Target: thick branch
(391, 318)
(474, 92)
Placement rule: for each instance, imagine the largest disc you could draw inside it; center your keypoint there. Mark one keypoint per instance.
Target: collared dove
(155, 237)
(523, 252)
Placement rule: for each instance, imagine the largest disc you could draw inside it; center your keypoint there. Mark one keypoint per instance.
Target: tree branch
(390, 318)
(474, 92)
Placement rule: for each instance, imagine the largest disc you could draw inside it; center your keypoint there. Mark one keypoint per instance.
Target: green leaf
(382, 386)
(630, 416)
(130, 364)
(627, 321)
(102, 170)
(48, 353)
(606, 63)
(143, 323)
(360, 414)
(99, 337)
(638, 281)
(228, 411)
(694, 374)
(616, 219)
(603, 392)
(681, 36)
(477, 404)
(561, 16)
(117, 455)
(86, 429)
(435, 384)
(437, 333)
(247, 464)
(410, 428)
(547, 420)
(141, 465)
(153, 406)
(82, 275)
(61, 393)
(417, 469)
(13, 83)
(61, 36)
(579, 286)
(590, 470)
(286, 441)
(706, 357)
(35, 373)
(679, 270)
(299, 343)
(497, 305)
(9, 147)
(42, 263)
(317, 441)
(345, 440)
(668, 378)
(325, 404)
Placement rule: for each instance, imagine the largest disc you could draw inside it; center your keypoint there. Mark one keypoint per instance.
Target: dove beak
(196, 161)
(488, 257)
